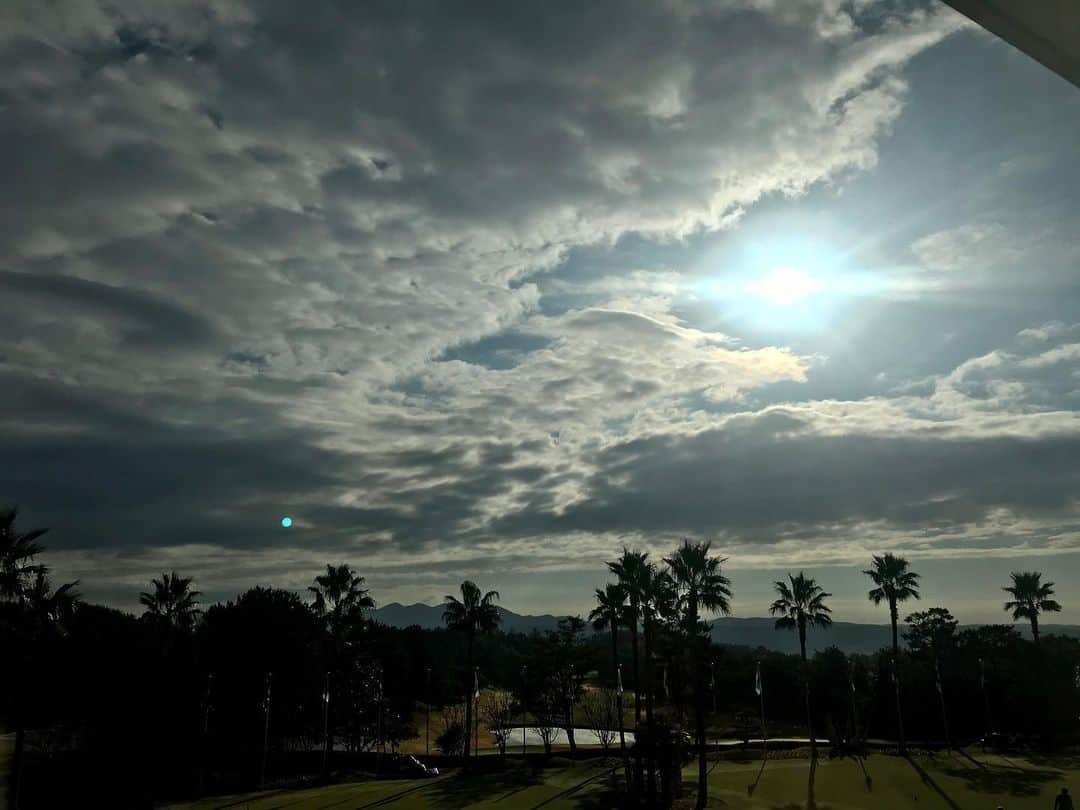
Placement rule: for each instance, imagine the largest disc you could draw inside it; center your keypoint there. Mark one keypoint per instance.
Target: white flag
(618, 683)
(757, 680)
(476, 684)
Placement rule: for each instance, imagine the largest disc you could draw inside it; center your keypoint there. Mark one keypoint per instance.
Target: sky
(492, 290)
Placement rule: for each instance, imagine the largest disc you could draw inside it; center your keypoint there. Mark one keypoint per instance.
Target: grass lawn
(970, 781)
(7, 748)
(948, 781)
(561, 785)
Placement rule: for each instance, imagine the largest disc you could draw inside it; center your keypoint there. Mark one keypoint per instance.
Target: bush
(451, 742)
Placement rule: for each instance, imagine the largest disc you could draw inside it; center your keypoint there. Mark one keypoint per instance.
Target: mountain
(429, 617)
(751, 632)
(761, 632)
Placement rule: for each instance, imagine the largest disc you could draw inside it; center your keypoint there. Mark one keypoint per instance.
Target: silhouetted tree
(172, 603)
(894, 583)
(933, 632)
(17, 552)
(801, 604)
(630, 569)
(35, 614)
(568, 673)
(339, 597)
(1030, 597)
(472, 614)
(656, 597)
(700, 587)
(609, 613)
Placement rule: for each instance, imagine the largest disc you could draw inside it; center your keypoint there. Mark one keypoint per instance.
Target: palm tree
(17, 552)
(609, 613)
(51, 609)
(339, 598)
(700, 586)
(472, 614)
(895, 584)
(656, 596)
(39, 612)
(800, 605)
(630, 569)
(45, 615)
(173, 603)
(1030, 597)
(340, 595)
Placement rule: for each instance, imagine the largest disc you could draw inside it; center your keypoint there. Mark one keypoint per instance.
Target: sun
(785, 286)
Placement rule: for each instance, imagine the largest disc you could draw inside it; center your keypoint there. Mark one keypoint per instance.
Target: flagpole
(712, 684)
(524, 706)
(570, 712)
(986, 698)
(266, 728)
(618, 698)
(760, 687)
(205, 731)
(326, 724)
(944, 710)
(427, 718)
(712, 691)
(854, 708)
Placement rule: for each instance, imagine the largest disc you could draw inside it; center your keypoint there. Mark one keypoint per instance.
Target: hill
(429, 617)
(749, 632)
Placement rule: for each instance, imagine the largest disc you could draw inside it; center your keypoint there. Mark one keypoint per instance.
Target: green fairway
(946, 781)
(563, 785)
(7, 747)
(970, 781)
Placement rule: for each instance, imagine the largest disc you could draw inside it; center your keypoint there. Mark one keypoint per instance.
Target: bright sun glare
(785, 286)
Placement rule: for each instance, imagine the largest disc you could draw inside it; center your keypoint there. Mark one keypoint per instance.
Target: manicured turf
(969, 781)
(7, 748)
(552, 787)
(928, 782)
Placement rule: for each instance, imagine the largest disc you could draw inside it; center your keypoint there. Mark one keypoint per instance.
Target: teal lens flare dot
(286, 522)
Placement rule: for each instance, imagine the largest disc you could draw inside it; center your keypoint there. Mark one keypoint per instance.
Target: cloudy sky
(489, 290)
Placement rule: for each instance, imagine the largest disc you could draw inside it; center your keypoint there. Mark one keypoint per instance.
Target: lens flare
(785, 286)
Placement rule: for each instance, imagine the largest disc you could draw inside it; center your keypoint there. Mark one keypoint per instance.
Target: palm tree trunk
(894, 617)
(618, 701)
(16, 763)
(637, 670)
(699, 716)
(468, 697)
(651, 748)
(618, 694)
(1035, 628)
(637, 705)
(806, 692)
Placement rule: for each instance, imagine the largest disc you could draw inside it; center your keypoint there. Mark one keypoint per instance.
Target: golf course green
(969, 780)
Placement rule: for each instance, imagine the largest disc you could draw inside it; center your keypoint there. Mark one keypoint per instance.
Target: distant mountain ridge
(749, 632)
(429, 617)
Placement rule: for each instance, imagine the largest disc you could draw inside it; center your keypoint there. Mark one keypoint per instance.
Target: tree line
(273, 686)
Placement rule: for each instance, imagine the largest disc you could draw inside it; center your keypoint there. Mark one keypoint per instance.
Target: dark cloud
(761, 477)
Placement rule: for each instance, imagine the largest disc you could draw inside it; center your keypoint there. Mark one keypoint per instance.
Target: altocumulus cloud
(251, 252)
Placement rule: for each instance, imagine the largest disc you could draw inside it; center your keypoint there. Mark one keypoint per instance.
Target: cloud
(271, 262)
(1035, 248)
